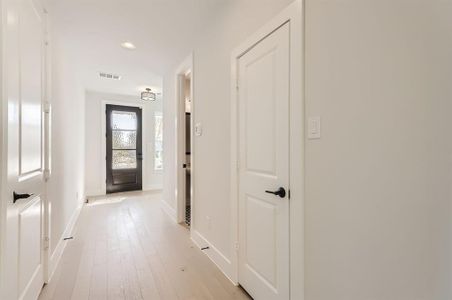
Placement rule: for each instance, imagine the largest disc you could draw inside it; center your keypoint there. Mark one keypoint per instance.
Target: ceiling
(163, 31)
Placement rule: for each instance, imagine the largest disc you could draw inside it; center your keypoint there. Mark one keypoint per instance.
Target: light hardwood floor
(126, 247)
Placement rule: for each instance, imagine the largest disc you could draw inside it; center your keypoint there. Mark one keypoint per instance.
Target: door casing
(293, 15)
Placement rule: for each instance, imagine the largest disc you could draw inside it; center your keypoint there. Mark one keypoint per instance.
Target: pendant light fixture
(148, 95)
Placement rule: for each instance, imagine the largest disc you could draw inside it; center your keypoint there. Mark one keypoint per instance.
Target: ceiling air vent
(109, 76)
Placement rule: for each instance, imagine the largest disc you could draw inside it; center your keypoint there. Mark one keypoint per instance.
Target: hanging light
(148, 95)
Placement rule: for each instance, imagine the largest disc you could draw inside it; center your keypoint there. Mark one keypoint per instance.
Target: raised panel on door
(31, 92)
(264, 159)
(30, 232)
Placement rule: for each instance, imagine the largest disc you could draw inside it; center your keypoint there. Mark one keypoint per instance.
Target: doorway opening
(185, 147)
(123, 148)
(187, 164)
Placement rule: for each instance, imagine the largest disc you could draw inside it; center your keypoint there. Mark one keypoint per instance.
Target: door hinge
(47, 107)
(236, 246)
(46, 175)
(46, 243)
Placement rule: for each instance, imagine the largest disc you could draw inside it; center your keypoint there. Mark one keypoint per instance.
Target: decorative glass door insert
(124, 132)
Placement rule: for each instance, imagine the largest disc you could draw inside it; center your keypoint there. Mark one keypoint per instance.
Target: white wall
(378, 183)
(235, 21)
(66, 185)
(95, 154)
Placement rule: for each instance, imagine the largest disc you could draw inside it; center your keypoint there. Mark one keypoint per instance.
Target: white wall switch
(198, 129)
(314, 128)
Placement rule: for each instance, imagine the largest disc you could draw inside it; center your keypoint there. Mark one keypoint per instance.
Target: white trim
(146, 188)
(293, 14)
(153, 187)
(221, 261)
(104, 103)
(186, 68)
(55, 257)
(171, 212)
(3, 147)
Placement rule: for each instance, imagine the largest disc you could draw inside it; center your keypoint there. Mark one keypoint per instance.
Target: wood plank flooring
(126, 247)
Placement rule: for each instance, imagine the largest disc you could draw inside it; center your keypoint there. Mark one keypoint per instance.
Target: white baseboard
(151, 188)
(59, 249)
(215, 255)
(95, 193)
(171, 212)
(99, 193)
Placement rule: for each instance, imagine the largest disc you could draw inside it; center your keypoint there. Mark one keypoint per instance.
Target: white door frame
(103, 146)
(293, 15)
(181, 72)
(3, 146)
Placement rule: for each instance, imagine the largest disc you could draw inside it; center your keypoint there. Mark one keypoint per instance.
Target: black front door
(124, 148)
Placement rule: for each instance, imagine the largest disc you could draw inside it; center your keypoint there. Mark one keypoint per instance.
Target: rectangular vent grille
(109, 76)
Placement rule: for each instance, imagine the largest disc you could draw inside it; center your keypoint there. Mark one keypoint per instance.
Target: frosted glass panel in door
(124, 120)
(124, 159)
(124, 139)
(124, 142)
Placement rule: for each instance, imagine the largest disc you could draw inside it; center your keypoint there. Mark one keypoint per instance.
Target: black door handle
(17, 196)
(281, 192)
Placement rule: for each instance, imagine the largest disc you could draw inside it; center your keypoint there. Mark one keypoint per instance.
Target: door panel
(261, 252)
(124, 148)
(264, 160)
(24, 81)
(31, 63)
(29, 242)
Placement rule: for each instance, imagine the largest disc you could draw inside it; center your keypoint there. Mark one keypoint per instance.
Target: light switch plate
(198, 129)
(314, 128)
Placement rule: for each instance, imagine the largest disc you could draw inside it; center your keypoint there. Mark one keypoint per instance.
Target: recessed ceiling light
(128, 45)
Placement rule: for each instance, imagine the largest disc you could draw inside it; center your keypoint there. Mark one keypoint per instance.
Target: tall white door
(264, 167)
(22, 270)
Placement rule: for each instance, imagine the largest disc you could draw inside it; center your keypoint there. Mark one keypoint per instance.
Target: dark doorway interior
(188, 168)
(124, 148)
(188, 148)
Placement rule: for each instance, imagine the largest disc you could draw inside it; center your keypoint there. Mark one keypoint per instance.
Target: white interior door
(24, 82)
(264, 167)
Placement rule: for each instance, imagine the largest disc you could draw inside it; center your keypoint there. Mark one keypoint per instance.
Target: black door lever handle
(17, 196)
(281, 192)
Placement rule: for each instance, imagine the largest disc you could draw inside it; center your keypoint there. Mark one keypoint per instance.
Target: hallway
(126, 247)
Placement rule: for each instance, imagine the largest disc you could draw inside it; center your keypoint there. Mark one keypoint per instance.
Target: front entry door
(263, 94)
(23, 251)
(124, 148)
